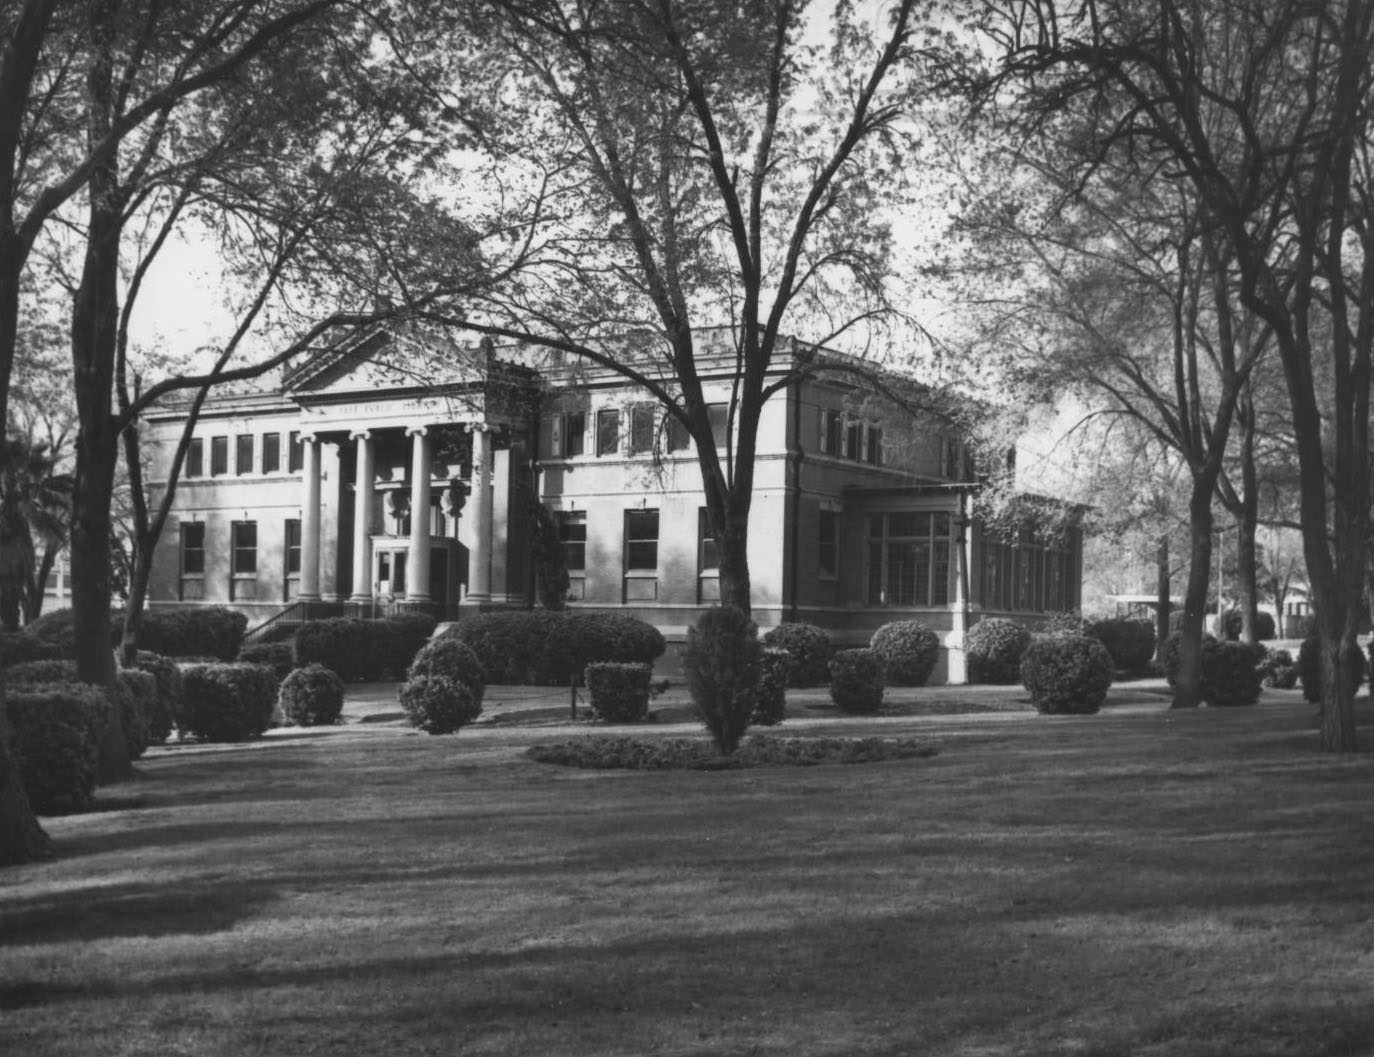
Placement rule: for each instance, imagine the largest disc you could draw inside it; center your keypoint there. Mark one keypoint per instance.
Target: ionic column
(310, 519)
(417, 579)
(479, 507)
(362, 518)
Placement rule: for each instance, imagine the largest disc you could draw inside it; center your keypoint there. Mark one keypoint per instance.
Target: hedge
(994, 646)
(362, 650)
(770, 708)
(161, 718)
(619, 693)
(226, 702)
(1131, 643)
(200, 631)
(547, 648)
(55, 731)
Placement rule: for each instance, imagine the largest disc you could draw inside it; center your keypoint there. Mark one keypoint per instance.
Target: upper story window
(643, 421)
(828, 544)
(873, 446)
(295, 453)
(195, 458)
(243, 453)
(676, 434)
(708, 554)
(608, 432)
(219, 456)
(831, 432)
(719, 417)
(271, 452)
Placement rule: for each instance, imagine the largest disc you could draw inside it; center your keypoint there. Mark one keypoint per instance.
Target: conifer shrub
(619, 693)
(1066, 674)
(1131, 643)
(1230, 676)
(721, 663)
(908, 650)
(811, 650)
(161, 717)
(199, 631)
(1310, 669)
(451, 659)
(437, 704)
(856, 681)
(226, 702)
(135, 696)
(993, 647)
(55, 731)
(770, 707)
(312, 696)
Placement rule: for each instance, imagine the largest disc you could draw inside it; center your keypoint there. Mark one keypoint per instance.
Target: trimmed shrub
(312, 696)
(1229, 674)
(55, 730)
(908, 650)
(1065, 624)
(856, 681)
(721, 663)
(1231, 622)
(1279, 670)
(54, 635)
(135, 697)
(1310, 669)
(279, 656)
(439, 705)
(341, 644)
(451, 659)
(619, 692)
(1168, 654)
(282, 632)
(200, 631)
(18, 648)
(1067, 674)
(994, 646)
(30, 672)
(546, 648)
(1131, 643)
(406, 633)
(226, 702)
(811, 650)
(770, 706)
(161, 717)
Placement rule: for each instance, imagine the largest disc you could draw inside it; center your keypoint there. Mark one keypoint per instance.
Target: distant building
(389, 473)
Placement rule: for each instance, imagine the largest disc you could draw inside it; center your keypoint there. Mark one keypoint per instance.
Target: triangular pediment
(384, 362)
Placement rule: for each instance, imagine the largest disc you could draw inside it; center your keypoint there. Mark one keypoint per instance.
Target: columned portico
(417, 585)
(310, 519)
(362, 517)
(479, 505)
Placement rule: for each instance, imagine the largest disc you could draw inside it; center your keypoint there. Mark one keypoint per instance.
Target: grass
(1133, 883)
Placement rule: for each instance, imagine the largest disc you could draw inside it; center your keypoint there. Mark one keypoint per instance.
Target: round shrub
(1168, 654)
(856, 681)
(452, 660)
(1279, 670)
(1131, 643)
(811, 650)
(226, 702)
(161, 717)
(135, 695)
(908, 650)
(1310, 669)
(994, 646)
(1066, 674)
(770, 705)
(279, 656)
(1230, 677)
(507, 644)
(55, 731)
(721, 663)
(54, 633)
(312, 696)
(619, 692)
(439, 705)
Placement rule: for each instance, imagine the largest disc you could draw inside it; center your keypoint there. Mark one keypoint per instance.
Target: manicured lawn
(1138, 882)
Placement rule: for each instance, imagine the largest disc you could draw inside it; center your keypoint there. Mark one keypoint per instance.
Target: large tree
(1262, 107)
(699, 165)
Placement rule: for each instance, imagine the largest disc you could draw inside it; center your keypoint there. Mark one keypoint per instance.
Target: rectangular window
(828, 544)
(574, 433)
(295, 453)
(219, 456)
(642, 423)
(293, 546)
(831, 432)
(708, 554)
(193, 548)
(853, 441)
(909, 559)
(572, 533)
(873, 450)
(608, 432)
(641, 540)
(243, 453)
(271, 452)
(195, 458)
(951, 459)
(244, 546)
(719, 416)
(678, 437)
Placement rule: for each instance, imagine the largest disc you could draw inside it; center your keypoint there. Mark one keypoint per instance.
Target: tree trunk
(1163, 594)
(138, 595)
(732, 547)
(21, 837)
(1188, 687)
(1247, 522)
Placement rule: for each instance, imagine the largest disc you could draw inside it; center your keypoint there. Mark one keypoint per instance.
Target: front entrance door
(391, 574)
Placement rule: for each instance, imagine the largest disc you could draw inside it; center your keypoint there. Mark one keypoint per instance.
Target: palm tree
(35, 509)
